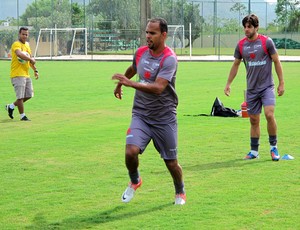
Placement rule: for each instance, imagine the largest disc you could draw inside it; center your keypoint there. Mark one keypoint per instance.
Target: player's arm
(156, 87)
(36, 72)
(21, 55)
(232, 75)
(161, 82)
(279, 72)
(129, 73)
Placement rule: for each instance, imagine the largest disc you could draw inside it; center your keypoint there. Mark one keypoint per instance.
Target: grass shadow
(6, 120)
(84, 222)
(223, 164)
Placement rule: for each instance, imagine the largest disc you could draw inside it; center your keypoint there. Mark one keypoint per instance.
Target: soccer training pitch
(65, 169)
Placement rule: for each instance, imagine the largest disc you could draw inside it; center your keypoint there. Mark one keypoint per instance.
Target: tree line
(125, 15)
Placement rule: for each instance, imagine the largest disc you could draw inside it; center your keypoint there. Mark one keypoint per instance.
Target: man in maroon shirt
(258, 52)
(154, 108)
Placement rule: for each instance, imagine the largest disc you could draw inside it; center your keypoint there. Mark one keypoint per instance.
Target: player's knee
(254, 120)
(270, 117)
(171, 163)
(132, 150)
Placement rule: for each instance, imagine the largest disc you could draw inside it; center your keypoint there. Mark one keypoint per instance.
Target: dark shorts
(164, 137)
(256, 100)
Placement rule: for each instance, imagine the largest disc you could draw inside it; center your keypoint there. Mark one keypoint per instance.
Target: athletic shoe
(130, 190)
(250, 156)
(10, 111)
(274, 154)
(24, 119)
(180, 199)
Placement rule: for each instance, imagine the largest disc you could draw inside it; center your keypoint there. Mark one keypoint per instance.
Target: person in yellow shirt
(19, 73)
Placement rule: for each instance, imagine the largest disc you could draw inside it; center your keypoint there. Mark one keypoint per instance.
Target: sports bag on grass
(218, 109)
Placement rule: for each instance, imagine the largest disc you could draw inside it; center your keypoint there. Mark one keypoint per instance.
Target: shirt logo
(257, 46)
(146, 62)
(256, 63)
(147, 74)
(252, 55)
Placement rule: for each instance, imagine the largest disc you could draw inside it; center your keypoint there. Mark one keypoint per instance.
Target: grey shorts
(164, 137)
(256, 100)
(23, 87)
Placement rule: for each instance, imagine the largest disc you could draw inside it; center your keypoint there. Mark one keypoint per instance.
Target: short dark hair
(162, 24)
(23, 28)
(251, 19)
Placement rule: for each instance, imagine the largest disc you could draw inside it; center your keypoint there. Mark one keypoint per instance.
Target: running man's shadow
(6, 120)
(83, 222)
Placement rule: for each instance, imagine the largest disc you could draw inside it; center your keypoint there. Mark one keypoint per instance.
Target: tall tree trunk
(145, 9)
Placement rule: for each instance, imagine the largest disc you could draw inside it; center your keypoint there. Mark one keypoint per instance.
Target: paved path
(207, 58)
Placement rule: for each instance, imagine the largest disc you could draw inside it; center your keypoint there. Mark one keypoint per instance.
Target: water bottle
(244, 108)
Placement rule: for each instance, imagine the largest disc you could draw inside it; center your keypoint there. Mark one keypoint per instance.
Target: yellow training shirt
(18, 69)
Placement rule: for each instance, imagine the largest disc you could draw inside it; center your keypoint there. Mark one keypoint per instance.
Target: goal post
(61, 42)
(176, 37)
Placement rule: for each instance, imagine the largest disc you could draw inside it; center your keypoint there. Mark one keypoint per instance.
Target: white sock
(12, 106)
(22, 115)
(255, 153)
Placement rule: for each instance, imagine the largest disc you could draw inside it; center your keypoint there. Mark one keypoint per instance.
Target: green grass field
(65, 169)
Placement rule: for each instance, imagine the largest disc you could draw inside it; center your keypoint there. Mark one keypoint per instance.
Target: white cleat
(130, 190)
(180, 199)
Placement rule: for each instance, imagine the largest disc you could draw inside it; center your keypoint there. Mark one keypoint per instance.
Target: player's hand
(32, 61)
(227, 90)
(280, 90)
(123, 80)
(118, 92)
(36, 74)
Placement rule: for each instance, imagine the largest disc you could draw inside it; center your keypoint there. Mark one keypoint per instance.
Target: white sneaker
(130, 190)
(180, 199)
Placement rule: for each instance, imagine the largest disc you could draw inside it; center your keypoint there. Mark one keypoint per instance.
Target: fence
(112, 27)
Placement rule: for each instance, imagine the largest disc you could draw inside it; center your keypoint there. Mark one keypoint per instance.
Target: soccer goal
(176, 36)
(61, 42)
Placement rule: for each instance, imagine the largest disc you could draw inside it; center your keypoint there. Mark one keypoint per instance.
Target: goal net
(176, 36)
(61, 42)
